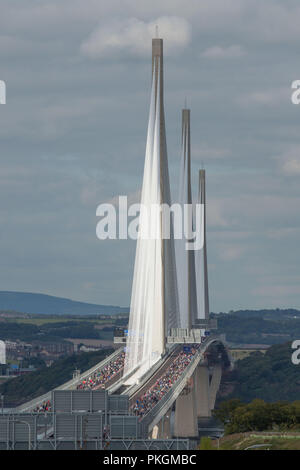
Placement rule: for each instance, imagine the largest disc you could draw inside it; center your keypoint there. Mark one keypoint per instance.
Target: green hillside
(29, 386)
(271, 376)
(259, 441)
(260, 326)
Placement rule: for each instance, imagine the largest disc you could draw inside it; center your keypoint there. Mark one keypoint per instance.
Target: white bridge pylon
(168, 305)
(154, 299)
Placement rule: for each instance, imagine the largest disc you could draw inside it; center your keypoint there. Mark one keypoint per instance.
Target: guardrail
(31, 405)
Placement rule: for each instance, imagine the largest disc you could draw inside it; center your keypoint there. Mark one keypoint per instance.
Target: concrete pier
(186, 423)
(202, 392)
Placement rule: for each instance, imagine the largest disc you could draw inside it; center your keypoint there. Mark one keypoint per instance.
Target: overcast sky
(72, 135)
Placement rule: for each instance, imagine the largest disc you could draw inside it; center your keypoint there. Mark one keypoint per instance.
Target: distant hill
(27, 302)
(266, 314)
(260, 326)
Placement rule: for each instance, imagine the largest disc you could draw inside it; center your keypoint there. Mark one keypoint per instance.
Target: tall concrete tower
(186, 275)
(158, 74)
(158, 77)
(201, 257)
(154, 300)
(169, 277)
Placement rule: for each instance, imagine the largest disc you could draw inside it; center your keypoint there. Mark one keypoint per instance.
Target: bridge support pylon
(186, 424)
(163, 429)
(215, 384)
(202, 391)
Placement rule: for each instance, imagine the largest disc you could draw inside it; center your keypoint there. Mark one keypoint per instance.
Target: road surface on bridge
(159, 373)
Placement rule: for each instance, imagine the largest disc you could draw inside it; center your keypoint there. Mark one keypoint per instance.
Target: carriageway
(195, 389)
(112, 385)
(193, 394)
(71, 384)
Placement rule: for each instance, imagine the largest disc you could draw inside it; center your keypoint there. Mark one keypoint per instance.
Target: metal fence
(68, 401)
(77, 431)
(118, 404)
(111, 444)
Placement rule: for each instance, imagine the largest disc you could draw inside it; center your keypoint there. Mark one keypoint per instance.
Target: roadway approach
(191, 397)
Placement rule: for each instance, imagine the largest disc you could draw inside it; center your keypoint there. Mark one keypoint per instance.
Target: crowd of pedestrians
(43, 407)
(99, 378)
(150, 398)
(163, 384)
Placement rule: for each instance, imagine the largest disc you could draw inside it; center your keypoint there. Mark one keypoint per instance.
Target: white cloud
(132, 198)
(218, 52)
(274, 22)
(292, 166)
(267, 21)
(277, 290)
(215, 214)
(204, 151)
(269, 97)
(230, 252)
(289, 162)
(133, 37)
(283, 233)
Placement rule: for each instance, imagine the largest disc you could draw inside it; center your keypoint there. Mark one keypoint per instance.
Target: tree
(225, 411)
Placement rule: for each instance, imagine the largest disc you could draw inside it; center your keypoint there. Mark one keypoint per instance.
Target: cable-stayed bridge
(168, 336)
(170, 363)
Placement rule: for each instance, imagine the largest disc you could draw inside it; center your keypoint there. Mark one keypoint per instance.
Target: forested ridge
(271, 376)
(29, 386)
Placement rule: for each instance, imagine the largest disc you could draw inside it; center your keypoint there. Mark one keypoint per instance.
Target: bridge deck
(161, 408)
(70, 385)
(151, 381)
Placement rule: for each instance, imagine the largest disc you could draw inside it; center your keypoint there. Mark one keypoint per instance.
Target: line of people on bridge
(43, 407)
(99, 378)
(149, 399)
(164, 383)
